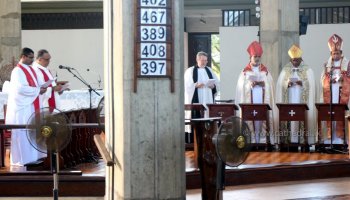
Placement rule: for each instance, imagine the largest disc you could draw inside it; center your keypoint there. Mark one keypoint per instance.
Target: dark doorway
(198, 42)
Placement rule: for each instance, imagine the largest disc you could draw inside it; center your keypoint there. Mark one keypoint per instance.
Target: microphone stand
(91, 155)
(331, 107)
(87, 85)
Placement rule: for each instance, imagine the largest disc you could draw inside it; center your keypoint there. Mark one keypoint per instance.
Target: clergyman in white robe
(41, 66)
(201, 90)
(20, 107)
(296, 84)
(255, 86)
(335, 80)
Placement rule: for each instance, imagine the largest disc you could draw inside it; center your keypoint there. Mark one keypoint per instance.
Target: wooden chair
(5, 139)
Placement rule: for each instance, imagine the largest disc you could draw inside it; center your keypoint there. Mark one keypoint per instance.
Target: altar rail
(81, 147)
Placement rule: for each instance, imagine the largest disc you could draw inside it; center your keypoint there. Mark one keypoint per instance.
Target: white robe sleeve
(189, 85)
(239, 96)
(274, 111)
(279, 87)
(311, 114)
(217, 81)
(320, 97)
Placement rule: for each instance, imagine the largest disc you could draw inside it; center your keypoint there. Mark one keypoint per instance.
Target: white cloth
(205, 95)
(244, 94)
(45, 97)
(298, 94)
(19, 109)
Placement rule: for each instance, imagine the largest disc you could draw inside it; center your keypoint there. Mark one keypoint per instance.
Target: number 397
(153, 67)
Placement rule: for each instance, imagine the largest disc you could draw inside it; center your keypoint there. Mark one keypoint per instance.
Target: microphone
(65, 67)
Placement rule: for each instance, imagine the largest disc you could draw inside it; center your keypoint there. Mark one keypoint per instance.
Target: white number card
(153, 3)
(153, 16)
(153, 33)
(153, 50)
(153, 67)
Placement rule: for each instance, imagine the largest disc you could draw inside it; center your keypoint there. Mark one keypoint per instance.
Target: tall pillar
(279, 30)
(10, 37)
(144, 129)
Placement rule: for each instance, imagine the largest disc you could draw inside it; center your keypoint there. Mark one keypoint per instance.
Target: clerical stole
(31, 83)
(51, 101)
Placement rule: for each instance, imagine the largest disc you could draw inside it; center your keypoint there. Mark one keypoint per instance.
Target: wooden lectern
(294, 112)
(224, 111)
(193, 107)
(205, 129)
(258, 112)
(323, 114)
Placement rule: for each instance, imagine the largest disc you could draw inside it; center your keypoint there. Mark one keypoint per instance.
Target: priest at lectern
(296, 84)
(335, 81)
(255, 86)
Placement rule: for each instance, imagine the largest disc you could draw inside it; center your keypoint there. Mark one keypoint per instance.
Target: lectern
(190, 138)
(206, 156)
(324, 114)
(258, 112)
(196, 107)
(293, 112)
(224, 110)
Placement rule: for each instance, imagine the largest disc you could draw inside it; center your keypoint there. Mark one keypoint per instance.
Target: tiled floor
(321, 189)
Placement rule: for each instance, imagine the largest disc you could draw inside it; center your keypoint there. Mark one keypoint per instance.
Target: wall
(233, 56)
(234, 42)
(80, 49)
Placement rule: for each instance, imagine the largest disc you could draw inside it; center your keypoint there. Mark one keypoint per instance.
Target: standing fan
(49, 131)
(233, 144)
(101, 114)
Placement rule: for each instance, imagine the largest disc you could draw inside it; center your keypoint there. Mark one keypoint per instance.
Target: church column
(144, 129)
(10, 36)
(279, 29)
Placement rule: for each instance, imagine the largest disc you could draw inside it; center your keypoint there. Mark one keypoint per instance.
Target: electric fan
(101, 114)
(233, 144)
(49, 131)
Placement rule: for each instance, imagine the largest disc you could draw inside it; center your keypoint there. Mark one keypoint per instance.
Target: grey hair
(41, 53)
(201, 53)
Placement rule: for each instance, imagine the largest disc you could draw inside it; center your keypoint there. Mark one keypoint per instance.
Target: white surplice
(298, 94)
(19, 109)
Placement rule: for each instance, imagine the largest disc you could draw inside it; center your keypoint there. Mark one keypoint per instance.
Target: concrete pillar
(10, 36)
(144, 130)
(279, 29)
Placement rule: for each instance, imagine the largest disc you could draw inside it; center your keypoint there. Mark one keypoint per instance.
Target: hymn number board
(153, 41)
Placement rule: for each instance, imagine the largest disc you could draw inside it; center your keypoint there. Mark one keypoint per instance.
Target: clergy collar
(24, 65)
(199, 67)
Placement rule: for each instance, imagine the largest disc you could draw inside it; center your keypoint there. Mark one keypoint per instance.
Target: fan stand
(54, 171)
(49, 134)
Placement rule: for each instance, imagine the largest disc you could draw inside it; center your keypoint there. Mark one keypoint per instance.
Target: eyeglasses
(31, 57)
(47, 59)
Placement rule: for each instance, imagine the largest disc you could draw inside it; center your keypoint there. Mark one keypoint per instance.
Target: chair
(5, 139)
